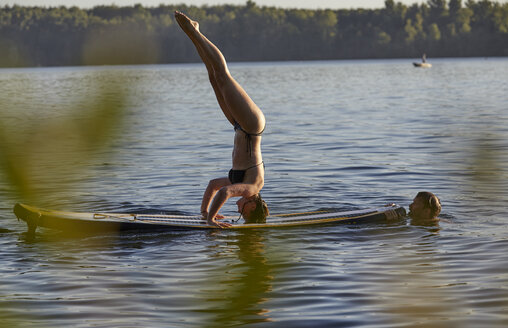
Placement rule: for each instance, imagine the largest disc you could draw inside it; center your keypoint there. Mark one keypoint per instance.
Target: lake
(340, 134)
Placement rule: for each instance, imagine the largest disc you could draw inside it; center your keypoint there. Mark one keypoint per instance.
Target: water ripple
(328, 144)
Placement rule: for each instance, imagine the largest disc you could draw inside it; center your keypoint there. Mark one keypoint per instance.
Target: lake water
(339, 134)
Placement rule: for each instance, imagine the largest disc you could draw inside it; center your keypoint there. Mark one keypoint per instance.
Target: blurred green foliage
(138, 35)
(488, 174)
(44, 149)
(36, 151)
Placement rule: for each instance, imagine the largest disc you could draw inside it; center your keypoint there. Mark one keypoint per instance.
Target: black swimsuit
(237, 176)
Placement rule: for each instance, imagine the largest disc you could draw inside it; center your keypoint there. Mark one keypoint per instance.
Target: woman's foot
(188, 25)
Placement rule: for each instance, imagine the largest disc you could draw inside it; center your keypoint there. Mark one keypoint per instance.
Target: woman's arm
(231, 190)
(213, 186)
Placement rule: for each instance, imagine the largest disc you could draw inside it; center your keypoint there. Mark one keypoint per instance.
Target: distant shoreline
(110, 35)
(406, 61)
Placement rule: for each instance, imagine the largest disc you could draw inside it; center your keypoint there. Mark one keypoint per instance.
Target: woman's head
(425, 206)
(253, 209)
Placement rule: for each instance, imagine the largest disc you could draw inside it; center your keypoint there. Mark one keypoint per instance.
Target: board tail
(31, 218)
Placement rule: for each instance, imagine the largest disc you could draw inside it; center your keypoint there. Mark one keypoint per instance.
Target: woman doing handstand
(246, 178)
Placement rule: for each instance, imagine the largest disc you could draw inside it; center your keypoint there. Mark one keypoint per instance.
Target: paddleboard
(97, 222)
(423, 65)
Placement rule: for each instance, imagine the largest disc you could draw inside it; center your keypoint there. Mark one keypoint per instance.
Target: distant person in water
(424, 58)
(425, 207)
(246, 178)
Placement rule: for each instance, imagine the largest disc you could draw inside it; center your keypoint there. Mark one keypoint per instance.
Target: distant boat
(422, 65)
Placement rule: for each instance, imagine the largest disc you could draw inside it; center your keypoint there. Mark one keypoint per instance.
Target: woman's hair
(431, 201)
(259, 214)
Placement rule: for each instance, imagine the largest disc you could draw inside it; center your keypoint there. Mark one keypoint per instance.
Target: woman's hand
(213, 222)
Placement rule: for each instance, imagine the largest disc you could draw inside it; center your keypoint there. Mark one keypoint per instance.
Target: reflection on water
(236, 294)
(341, 135)
(414, 296)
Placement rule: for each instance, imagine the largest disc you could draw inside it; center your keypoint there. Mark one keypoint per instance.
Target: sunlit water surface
(343, 134)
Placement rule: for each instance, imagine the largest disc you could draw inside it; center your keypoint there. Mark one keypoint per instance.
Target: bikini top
(248, 136)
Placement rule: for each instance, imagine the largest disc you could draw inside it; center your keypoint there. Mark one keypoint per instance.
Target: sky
(309, 4)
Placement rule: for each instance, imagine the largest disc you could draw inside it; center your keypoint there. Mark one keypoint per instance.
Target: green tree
(463, 20)
(136, 34)
(411, 31)
(501, 19)
(434, 33)
(454, 7)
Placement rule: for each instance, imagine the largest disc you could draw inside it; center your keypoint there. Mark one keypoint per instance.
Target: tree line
(59, 36)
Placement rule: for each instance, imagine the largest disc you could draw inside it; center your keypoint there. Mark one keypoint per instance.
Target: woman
(246, 178)
(425, 207)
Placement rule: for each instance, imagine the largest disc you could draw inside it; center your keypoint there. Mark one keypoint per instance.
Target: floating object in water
(98, 222)
(422, 65)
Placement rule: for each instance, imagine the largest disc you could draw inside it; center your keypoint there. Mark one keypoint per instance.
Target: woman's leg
(234, 101)
(213, 82)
